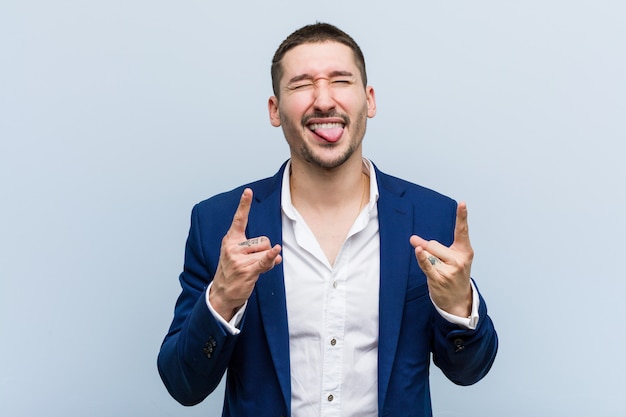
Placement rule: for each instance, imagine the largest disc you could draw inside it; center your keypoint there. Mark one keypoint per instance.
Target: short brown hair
(315, 33)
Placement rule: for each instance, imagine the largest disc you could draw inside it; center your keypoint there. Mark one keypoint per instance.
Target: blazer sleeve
(465, 356)
(197, 349)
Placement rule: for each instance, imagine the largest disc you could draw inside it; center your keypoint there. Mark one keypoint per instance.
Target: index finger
(461, 228)
(240, 219)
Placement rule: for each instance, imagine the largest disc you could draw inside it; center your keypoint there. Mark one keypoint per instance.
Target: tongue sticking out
(330, 134)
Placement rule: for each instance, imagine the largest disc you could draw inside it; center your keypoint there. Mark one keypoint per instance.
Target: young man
(323, 290)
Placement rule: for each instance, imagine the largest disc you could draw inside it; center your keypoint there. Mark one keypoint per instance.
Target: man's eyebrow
(341, 74)
(300, 77)
(303, 77)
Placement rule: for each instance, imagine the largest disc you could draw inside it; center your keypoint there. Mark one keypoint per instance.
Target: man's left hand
(448, 268)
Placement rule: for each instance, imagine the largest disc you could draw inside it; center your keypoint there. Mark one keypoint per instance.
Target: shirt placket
(334, 330)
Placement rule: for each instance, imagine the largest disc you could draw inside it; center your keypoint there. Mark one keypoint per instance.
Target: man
(323, 290)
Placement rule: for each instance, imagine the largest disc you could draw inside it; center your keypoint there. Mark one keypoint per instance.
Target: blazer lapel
(265, 220)
(394, 219)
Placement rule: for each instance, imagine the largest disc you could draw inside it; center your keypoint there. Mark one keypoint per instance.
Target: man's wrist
(469, 322)
(233, 321)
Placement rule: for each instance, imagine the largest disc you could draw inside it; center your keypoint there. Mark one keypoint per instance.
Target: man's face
(323, 106)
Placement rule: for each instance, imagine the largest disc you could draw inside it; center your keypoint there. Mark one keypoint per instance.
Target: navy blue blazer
(197, 350)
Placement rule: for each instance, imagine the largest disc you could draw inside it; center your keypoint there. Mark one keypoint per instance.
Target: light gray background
(117, 116)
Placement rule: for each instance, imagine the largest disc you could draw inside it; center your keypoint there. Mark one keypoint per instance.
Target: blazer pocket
(417, 293)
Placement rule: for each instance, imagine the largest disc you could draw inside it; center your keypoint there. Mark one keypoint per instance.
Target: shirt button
(330, 397)
(334, 284)
(333, 342)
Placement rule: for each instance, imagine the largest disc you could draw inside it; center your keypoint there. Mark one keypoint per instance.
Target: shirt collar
(285, 195)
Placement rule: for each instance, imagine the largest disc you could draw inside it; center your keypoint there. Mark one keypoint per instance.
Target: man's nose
(324, 100)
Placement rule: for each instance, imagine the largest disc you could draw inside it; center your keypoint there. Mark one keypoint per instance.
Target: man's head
(315, 33)
(321, 101)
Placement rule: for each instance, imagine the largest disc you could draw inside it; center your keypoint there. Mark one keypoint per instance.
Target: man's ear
(371, 101)
(272, 107)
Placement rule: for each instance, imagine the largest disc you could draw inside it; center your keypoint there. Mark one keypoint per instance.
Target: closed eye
(300, 86)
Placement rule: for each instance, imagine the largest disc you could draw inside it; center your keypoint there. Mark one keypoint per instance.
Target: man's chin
(328, 162)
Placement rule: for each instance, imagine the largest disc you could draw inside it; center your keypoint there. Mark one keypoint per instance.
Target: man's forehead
(328, 55)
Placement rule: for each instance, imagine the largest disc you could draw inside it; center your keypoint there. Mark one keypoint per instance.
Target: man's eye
(301, 86)
(340, 81)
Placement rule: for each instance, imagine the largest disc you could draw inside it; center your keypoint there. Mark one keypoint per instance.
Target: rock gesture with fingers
(241, 262)
(448, 268)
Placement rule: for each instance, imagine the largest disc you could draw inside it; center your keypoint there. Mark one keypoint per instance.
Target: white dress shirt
(332, 312)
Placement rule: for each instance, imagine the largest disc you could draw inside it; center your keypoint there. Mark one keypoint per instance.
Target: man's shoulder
(433, 213)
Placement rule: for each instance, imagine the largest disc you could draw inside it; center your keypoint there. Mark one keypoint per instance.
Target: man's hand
(241, 262)
(448, 269)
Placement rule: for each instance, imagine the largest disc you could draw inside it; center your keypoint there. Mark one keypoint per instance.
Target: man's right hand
(241, 262)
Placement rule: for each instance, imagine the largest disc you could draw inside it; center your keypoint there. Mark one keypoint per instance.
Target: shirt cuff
(468, 322)
(230, 326)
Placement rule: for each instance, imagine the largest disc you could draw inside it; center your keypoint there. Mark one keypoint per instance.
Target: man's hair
(315, 33)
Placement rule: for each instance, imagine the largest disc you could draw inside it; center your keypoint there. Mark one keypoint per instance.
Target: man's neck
(324, 189)
(330, 201)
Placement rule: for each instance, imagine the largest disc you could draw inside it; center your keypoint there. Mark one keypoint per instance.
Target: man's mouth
(330, 132)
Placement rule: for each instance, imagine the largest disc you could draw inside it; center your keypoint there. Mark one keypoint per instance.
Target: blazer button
(209, 347)
(459, 345)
